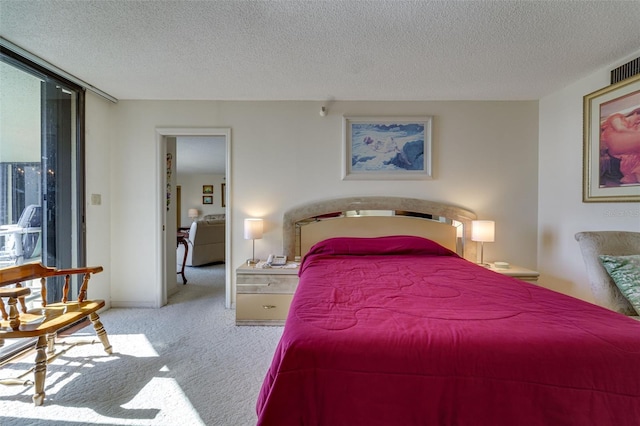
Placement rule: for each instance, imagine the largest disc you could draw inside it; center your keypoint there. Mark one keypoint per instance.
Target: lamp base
(252, 262)
(486, 265)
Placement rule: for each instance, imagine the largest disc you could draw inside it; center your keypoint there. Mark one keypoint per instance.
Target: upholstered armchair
(613, 243)
(206, 243)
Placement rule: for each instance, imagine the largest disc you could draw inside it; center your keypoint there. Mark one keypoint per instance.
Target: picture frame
(387, 148)
(611, 143)
(207, 189)
(223, 192)
(207, 199)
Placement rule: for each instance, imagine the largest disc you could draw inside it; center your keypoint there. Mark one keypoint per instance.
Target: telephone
(277, 260)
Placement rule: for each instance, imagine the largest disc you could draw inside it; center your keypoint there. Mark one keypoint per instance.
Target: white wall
(561, 210)
(98, 169)
(284, 154)
(191, 185)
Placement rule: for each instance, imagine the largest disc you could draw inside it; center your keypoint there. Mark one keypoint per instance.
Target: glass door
(41, 178)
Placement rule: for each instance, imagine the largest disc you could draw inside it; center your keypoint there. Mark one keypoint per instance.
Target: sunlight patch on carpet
(108, 394)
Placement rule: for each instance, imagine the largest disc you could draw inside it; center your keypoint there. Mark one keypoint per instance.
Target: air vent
(625, 71)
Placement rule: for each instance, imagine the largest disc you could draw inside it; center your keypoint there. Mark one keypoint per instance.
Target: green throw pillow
(625, 272)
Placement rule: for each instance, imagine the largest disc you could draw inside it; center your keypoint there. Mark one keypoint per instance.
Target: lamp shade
(253, 229)
(483, 230)
(192, 213)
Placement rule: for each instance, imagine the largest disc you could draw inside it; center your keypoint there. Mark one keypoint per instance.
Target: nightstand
(263, 295)
(518, 272)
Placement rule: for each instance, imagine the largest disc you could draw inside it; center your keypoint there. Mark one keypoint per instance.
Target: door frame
(161, 217)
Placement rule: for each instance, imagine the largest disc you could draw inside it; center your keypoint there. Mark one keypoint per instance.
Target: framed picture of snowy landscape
(387, 148)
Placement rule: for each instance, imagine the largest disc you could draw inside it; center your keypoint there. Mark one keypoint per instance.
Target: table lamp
(484, 232)
(193, 214)
(253, 228)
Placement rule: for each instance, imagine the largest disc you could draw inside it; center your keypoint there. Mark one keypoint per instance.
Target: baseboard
(125, 304)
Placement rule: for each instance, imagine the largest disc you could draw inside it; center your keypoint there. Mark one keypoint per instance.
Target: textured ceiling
(325, 50)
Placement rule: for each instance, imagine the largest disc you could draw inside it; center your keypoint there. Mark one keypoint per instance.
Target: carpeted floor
(184, 364)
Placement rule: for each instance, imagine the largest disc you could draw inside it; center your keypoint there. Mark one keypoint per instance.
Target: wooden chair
(44, 323)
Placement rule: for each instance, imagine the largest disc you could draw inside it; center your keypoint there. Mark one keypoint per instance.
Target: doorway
(168, 228)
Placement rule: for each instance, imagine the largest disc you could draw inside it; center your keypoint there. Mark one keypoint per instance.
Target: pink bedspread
(400, 331)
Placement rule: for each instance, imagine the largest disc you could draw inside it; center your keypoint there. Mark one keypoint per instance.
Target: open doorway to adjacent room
(197, 161)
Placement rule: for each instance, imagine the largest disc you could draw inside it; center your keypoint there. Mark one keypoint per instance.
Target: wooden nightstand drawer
(263, 295)
(259, 283)
(528, 279)
(262, 308)
(518, 272)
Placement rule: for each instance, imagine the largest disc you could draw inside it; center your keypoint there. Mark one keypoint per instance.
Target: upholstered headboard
(378, 216)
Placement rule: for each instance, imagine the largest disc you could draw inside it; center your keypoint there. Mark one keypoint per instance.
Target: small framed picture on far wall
(207, 189)
(207, 199)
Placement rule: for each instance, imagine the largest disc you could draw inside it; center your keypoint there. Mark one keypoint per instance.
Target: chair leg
(3, 312)
(14, 316)
(40, 371)
(100, 331)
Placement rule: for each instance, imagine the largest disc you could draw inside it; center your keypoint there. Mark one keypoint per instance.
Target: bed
(403, 330)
